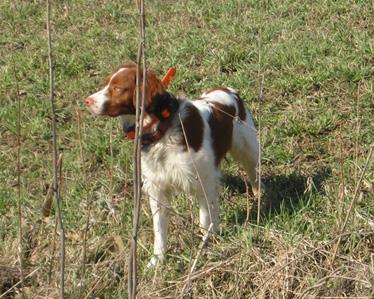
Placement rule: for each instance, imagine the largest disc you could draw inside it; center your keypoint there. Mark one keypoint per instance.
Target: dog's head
(118, 97)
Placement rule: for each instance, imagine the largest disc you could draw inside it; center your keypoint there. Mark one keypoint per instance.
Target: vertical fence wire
(260, 100)
(141, 59)
(56, 185)
(19, 203)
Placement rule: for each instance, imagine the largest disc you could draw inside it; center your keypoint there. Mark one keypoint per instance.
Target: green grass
(317, 61)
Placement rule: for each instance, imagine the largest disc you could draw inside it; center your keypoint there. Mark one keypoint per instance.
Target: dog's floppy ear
(154, 88)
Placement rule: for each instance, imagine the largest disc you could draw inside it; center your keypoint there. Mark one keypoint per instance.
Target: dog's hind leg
(207, 194)
(245, 149)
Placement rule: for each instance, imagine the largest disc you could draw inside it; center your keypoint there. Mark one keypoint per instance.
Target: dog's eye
(118, 89)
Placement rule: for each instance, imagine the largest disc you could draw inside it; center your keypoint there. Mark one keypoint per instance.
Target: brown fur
(221, 126)
(193, 126)
(122, 90)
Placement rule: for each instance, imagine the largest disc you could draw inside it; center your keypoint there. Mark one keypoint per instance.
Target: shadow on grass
(286, 192)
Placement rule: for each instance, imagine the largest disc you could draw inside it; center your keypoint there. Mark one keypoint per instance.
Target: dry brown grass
(271, 267)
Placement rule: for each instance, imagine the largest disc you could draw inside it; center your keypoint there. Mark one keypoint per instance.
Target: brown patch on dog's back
(193, 126)
(221, 125)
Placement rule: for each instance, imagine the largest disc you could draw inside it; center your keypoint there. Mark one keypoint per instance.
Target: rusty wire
(141, 59)
(56, 185)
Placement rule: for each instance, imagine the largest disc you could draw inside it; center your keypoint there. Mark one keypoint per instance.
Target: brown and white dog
(183, 143)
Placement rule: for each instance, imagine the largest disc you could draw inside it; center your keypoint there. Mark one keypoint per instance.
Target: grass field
(317, 61)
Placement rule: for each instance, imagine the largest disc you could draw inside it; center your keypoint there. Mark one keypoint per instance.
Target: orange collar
(162, 120)
(130, 130)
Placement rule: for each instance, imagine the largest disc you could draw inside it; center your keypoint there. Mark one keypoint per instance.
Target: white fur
(168, 168)
(99, 98)
(221, 97)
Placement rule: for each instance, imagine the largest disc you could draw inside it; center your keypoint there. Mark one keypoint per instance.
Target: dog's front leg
(160, 214)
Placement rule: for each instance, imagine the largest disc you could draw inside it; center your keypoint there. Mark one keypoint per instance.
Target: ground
(316, 62)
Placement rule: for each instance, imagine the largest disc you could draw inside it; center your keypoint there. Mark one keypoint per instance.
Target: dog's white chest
(169, 167)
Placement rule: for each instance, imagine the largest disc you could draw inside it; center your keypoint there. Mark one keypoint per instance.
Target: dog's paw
(255, 190)
(154, 261)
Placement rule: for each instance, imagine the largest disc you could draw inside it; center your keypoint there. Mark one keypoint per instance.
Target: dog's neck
(159, 114)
